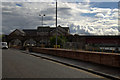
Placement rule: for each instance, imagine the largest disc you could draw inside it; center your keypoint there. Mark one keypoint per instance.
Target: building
(94, 42)
(41, 36)
(35, 37)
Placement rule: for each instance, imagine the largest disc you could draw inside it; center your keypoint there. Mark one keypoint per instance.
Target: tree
(60, 40)
(2, 37)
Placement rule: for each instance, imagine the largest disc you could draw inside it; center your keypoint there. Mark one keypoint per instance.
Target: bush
(60, 41)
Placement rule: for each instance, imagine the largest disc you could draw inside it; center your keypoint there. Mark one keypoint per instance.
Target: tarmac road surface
(16, 64)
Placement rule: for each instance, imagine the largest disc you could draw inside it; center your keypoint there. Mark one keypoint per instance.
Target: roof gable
(30, 32)
(17, 32)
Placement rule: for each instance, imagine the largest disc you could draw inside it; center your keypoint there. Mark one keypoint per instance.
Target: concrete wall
(109, 59)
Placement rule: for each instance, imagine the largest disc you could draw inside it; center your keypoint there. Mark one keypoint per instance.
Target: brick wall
(16, 47)
(109, 59)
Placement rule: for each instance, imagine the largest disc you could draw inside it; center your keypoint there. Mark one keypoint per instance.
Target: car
(4, 45)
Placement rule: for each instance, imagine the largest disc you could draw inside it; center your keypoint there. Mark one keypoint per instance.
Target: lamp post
(42, 18)
(42, 26)
(56, 25)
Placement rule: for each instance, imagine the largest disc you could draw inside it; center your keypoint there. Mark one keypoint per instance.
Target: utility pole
(56, 25)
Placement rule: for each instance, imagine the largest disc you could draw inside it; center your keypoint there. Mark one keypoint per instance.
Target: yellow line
(72, 68)
(76, 69)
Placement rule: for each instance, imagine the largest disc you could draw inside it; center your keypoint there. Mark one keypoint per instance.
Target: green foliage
(1, 36)
(60, 40)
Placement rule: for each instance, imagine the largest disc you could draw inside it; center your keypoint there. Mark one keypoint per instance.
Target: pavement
(102, 70)
(17, 65)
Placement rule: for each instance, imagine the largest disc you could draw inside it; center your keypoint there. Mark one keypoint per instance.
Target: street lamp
(42, 26)
(42, 18)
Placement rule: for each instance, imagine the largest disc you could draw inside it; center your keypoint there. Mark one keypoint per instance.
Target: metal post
(42, 22)
(56, 25)
(42, 31)
(42, 26)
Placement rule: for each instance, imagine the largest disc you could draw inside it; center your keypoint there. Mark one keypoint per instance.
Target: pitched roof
(30, 31)
(20, 31)
(65, 28)
(43, 29)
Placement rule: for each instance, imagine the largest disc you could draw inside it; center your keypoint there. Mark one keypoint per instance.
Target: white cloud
(60, 0)
(99, 15)
(115, 15)
(69, 14)
(100, 10)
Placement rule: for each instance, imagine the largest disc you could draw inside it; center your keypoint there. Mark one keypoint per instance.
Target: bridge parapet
(109, 59)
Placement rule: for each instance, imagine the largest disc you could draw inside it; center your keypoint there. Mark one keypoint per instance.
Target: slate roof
(20, 32)
(30, 31)
(42, 29)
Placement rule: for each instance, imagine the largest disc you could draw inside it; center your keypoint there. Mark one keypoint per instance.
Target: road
(20, 65)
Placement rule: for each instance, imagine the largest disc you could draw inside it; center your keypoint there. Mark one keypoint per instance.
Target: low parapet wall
(109, 59)
(16, 47)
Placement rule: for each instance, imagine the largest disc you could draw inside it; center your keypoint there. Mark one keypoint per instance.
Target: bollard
(93, 49)
(112, 50)
(102, 49)
(27, 49)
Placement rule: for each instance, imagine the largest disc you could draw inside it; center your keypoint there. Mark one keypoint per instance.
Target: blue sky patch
(88, 14)
(110, 5)
(19, 5)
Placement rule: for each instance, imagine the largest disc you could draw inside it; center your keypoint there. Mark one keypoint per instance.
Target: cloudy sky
(85, 17)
